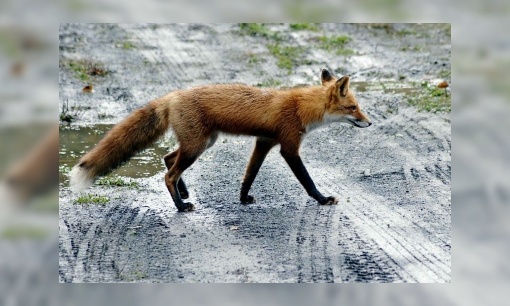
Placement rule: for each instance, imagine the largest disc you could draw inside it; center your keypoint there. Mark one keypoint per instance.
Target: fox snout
(359, 123)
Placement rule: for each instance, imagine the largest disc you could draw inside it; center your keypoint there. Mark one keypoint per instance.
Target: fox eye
(352, 107)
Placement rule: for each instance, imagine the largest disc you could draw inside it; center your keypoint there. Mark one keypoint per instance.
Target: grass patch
(333, 43)
(343, 51)
(115, 181)
(287, 56)
(258, 30)
(85, 68)
(128, 45)
(270, 83)
(304, 26)
(23, 232)
(253, 59)
(92, 199)
(431, 99)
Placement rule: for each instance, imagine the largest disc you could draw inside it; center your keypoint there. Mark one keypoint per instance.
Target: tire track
(312, 239)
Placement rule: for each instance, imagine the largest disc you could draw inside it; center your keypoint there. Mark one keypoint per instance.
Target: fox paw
(248, 199)
(186, 207)
(328, 201)
(184, 194)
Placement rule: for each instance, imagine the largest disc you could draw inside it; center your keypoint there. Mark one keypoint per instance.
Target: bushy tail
(135, 133)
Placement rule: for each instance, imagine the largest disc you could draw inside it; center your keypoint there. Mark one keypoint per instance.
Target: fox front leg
(297, 166)
(262, 147)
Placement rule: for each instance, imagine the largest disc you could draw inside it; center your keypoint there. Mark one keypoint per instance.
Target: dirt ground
(393, 179)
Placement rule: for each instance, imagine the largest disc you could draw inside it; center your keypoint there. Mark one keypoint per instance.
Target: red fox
(198, 114)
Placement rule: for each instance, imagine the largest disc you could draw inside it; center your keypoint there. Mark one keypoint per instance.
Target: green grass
(343, 51)
(92, 199)
(114, 181)
(333, 43)
(128, 45)
(287, 56)
(304, 26)
(258, 30)
(270, 83)
(254, 59)
(431, 99)
(85, 68)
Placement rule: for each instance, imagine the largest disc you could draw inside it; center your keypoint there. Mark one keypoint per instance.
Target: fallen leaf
(442, 85)
(88, 88)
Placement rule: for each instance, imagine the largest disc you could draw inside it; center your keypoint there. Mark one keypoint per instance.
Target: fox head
(342, 106)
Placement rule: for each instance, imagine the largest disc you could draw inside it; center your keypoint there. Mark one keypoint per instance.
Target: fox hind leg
(187, 155)
(169, 162)
(170, 159)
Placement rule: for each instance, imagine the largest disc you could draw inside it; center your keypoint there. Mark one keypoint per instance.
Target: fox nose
(370, 123)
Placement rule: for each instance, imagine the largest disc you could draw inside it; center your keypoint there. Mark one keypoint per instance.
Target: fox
(197, 115)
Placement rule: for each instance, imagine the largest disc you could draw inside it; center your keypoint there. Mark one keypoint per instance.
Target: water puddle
(76, 141)
(387, 87)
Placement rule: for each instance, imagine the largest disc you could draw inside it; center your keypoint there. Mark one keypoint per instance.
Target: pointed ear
(343, 85)
(325, 76)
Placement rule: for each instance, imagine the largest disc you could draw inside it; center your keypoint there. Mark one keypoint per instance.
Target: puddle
(76, 141)
(387, 87)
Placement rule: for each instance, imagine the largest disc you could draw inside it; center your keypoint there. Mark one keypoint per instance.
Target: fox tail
(135, 133)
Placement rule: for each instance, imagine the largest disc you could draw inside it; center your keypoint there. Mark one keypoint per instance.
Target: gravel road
(393, 179)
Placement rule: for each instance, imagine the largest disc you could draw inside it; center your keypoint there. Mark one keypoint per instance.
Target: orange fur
(198, 114)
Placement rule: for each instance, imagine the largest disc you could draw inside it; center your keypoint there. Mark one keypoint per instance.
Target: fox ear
(325, 76)
(343, 85)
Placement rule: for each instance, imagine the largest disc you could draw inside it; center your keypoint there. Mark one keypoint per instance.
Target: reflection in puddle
(76, 141)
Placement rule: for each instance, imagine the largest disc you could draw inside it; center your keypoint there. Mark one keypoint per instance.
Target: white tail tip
(79, 179)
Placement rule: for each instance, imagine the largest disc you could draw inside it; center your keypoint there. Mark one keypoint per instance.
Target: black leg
(169, 162)
(297, 166)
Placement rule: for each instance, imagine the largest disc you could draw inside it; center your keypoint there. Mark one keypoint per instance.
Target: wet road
(393, 180)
